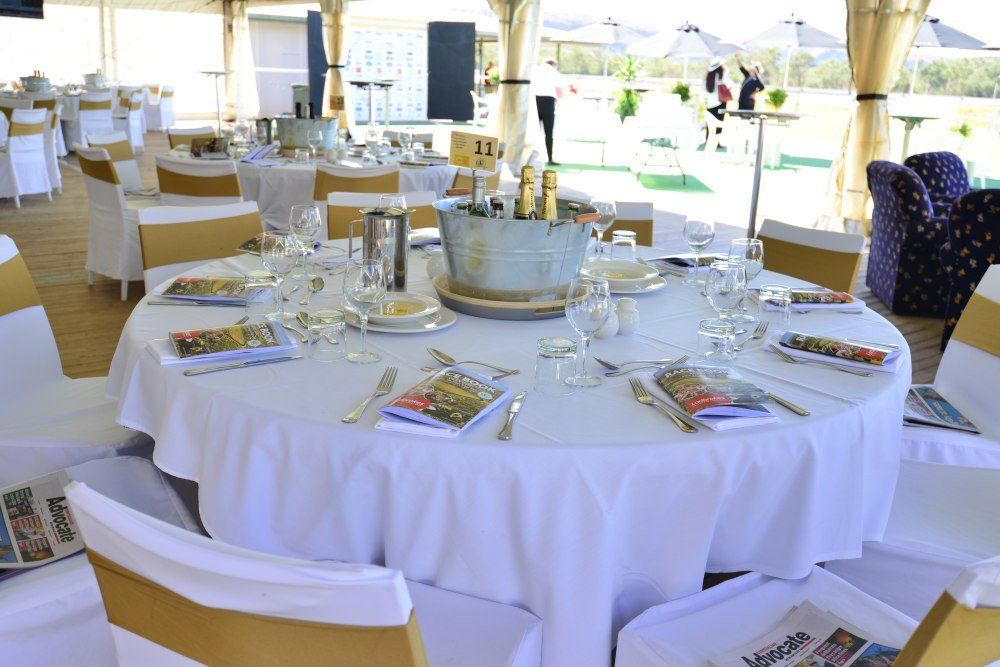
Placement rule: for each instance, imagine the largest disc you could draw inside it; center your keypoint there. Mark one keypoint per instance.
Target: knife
(515, 406)
(239, 364)
(799, 410)
(192, 302)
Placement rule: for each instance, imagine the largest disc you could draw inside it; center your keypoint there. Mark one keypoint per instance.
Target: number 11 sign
(474, 151)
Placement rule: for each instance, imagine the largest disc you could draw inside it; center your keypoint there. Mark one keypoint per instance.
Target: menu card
(207, 288)
(824, 299)
(840, 351)
(250, 339)
(717, 397)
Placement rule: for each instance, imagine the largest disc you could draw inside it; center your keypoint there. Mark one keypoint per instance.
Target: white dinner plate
(619, 274)
(399, 307)
(653, 285)
(442, 319)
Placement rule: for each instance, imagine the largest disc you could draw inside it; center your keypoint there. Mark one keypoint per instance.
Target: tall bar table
(370, 86)
(910, 121)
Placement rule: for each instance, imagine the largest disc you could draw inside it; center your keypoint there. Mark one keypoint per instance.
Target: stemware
(304, 223)
(387, 201)
(279, 253)
(749, 252)
(606, 209)
(588, 305)
(364, 289)
(315, 139)
(698, 235)
(372, 137)
(725, 287)
(406, 139)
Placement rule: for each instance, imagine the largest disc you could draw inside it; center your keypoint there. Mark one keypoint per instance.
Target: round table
(597, 509)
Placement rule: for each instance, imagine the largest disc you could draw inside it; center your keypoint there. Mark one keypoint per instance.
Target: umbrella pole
(788, 64)
(685, 68)
(916, 66)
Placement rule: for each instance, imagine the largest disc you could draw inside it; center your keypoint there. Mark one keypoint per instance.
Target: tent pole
(916, 66)
(788, 64)
(685, 69)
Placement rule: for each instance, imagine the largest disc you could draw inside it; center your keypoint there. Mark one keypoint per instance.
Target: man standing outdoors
(548, 85)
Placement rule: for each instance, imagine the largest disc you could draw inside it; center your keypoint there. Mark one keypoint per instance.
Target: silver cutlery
(240, 364)
(302, 317)
(793, 360)
(242, 320)
(450, 361)
(192, 302)
(626, 371)
(617, 365)
(383, 387)
(797, 409)
(302, 337)
(515, 407)
(757, 334)
(891, 346)
(435, 369)
(292, 291)
(315, 285)
(644, 397)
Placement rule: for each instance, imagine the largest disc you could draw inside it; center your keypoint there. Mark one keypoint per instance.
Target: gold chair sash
(978, 325)
(228, 638)
(117, 151)
(166, 93)
(44, 104)
(463, 181)
(326, 183)
(26, 129)
(643, 230)
(7, 111)
(153, 90)
(176, 242)
(54, 123)
(102, 170)
(17, 289)
(953, 634)
(94, 105)
(828, 268)
(423, 216)
(178, 139)
(135, 106)
(226, 185)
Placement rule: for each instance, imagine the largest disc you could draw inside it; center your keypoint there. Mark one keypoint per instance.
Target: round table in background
(910, 121)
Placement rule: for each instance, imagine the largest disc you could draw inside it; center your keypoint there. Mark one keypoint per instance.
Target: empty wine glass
(304, 223)
(606, 209)
(725, 287)
(372, 136)
(749, 252)
(406, 139)
(364, 289)
(315, 139)
(588, 305)
(279, 253)
(698, 235)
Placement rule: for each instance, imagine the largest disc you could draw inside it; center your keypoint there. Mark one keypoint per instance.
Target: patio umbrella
(687, 41)
(606, 33)
(934, 34)
(794, 33)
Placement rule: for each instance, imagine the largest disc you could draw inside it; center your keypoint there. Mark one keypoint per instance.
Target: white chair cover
(341, 172)
(90, 121)
(53, 135)
(196, 169)
(178, 135)
(54, 615)
(23, 167)
(120, 151)
(160, 113)
(132, 120)
(50, 96)
(421, 201)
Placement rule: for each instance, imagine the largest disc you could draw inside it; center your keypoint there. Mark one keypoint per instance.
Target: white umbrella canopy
(794, 33)
(606, 33)
(934, 34)
(687, 41)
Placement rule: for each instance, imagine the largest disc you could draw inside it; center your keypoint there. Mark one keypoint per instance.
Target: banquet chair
(131, 123)
(943, 174)
(904, 271)
(336, 178)
(463, 179)
(47, 421)
(426, 138)
(113, 234)
(8, 104)
(973, 246)
(189, 182)
(636, 217)
(93, 117)
(64, 594)
(173, 596)
(23, 167)
(160, 113)
(122, 159)
(828, 259)
(182, 136)
(176, 238)
(342, 207)
(52, 133)
(48, 100)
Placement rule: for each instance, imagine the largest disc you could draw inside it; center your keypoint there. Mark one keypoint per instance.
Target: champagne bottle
(477, 207)
(549, 211)
(526, 203)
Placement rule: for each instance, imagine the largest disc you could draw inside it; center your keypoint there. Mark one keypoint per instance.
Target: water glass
(418, 149)
(776, 306)
(555, 365)
(588, 306)
(606, 209)
(715, 340)
(405, 139)
(302, 155)
(725, 287)
(265, 287)
(623, 245)
(279, 252)
(749, 252)
(698, 235)
(364, 289)
(315, 139)
(327, 335)
(387, 201)
(304, 223)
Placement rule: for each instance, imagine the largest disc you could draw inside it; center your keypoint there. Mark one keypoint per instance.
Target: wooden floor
(87, 320)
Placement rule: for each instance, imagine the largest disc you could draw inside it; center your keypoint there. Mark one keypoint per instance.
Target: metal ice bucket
(509, 259)
(385, 235)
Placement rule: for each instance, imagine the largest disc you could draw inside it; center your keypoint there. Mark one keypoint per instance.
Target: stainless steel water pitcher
(385, 235)
(265, 133)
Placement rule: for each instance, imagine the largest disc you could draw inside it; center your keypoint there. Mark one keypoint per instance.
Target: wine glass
(405, 137)
(725, 287)
(749, 252)
(698, 235)
(372, 137)
(588, 305)
(364, 289)
(315, 139)
(304, 223)
(279, 253)
(606, 209)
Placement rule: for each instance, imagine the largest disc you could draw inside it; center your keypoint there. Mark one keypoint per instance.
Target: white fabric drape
(242, 100)
(335, 94)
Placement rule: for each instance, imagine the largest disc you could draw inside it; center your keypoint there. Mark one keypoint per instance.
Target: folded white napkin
(891, 366)
(400, 425)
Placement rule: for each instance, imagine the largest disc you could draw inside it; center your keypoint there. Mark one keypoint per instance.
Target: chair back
(30, 356)
(335, 178)
(973, 247)
(190, 182)
(105, 196)
(95, 113)
(152, 93)
(426, 138)
(178, 136)
(943, 173)
(27, 133)
(342, 208)
(42, 100)
(8, 104)
(176, 238)
(633, 216)
(170, 593)
(828, 259)
(463, 178)
(122, 156)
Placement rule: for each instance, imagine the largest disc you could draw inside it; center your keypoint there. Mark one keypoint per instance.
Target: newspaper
(924, 405)
(809, 637)
(36, 524)
(717, 397)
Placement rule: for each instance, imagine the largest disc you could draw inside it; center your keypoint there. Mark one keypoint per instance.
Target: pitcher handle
(350, 239)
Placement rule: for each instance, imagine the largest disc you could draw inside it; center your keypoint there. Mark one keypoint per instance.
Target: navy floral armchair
(973, 245)
(904, 268)
(944, 175)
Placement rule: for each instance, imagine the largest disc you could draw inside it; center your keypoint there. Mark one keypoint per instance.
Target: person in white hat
(718, 89)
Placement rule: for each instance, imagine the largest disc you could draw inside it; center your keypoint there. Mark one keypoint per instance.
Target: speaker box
(451, 70)
(316, 57)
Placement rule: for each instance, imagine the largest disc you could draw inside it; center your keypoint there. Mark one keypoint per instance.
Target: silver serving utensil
(242, 320)
(450, 361)
(315, 285)
(617, 365)
(506, 433)
(626, 371)
(793, 360)
(757, 334)
(383, 387)
(302, 317)
(240, 364)
(302, 337)
(797, 409)
(291, 292)
(644, 397)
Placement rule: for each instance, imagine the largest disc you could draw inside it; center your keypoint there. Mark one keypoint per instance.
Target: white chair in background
(53, 132)
(93, 117)
(177, 238)
(829, 259)
(119, 149)
(211, 603)
(47, 421)
(23, 166)
(48, 100)
(182, 136)
(188, 182)
(635, 217)
(8, 104)
(337, 178)
(160, 112)
(480, 108)
(426, 138)
(132, 120)
(64, 594)
(342, 207)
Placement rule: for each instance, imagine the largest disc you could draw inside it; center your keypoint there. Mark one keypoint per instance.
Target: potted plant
(628, 98)
(682, 90)
(776, 98)
(963, 130)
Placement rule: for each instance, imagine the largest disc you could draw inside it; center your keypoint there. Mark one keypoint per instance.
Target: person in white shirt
(548, 85)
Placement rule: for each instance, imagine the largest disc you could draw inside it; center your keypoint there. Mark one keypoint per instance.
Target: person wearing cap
(548, 85)
(752, 84)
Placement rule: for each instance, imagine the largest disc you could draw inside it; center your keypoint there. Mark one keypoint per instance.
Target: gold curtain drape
(516, 119)
(241, 96)
(879, 35)
(335, 97)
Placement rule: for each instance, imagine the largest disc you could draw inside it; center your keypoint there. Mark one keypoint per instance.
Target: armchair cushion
(943, 174)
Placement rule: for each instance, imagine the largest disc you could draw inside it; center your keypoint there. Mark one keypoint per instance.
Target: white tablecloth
(597, 509)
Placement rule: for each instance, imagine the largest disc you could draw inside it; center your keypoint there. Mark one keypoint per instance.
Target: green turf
(569, 168)
(672, 182)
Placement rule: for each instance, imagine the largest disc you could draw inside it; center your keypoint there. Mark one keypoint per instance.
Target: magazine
(684, 262)
(854, 354)
(207, 288)
(717, 397)
(824, 299)
(250, 339)
(444, 404)
(809, 637)
(214, 148)
(36, 523)
(924, 405)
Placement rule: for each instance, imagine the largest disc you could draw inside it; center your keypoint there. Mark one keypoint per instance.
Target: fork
(675, 362)
(757, 334)
(644, 397)
(792, 360)
(384, 387)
